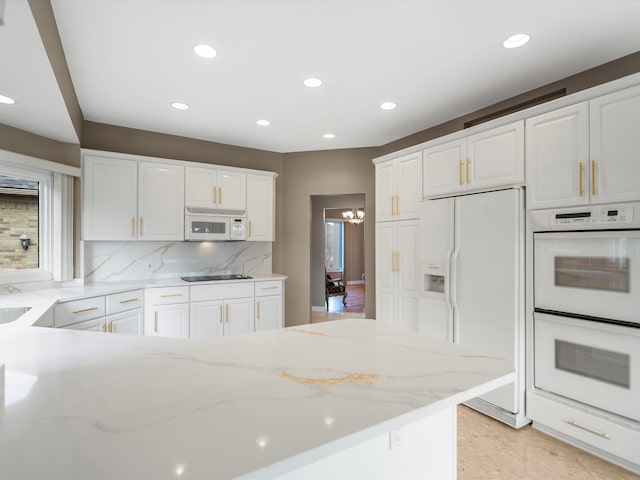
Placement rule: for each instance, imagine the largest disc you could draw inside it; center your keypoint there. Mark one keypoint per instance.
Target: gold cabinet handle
(103, 328)
(258, 316)
(397, 204)
(219, 195)
(130, 300)
(110, 330)
(580, 176)
(460, 167)
(468, 179)
(397, 261)
(393, 205)
(221, 317)
(214, 195)
(586, 429)
(227, 312)
(141, 227)
(155, 322)
(249, 230)
(75, 312)
(165, 295)
(268, 288)
(133, 226)
(594, 164)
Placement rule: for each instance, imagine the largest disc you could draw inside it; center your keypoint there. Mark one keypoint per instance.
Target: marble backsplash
(119, 261)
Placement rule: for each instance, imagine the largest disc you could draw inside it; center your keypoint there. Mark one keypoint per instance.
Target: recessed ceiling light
(180, 105)
(263, 123)
(329, 135)
(388, 106)
(7, 100)
(313, 82)
(515, 41)
(205, 51)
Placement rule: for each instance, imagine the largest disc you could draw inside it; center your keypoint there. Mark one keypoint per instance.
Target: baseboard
(355, 282)
(319, 309)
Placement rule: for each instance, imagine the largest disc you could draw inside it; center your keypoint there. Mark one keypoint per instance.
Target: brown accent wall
(330, 172)
(607, 72)
(27, 143)
(112, 138)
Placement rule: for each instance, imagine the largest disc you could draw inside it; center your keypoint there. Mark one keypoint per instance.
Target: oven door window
(595, 363)
(594, 274)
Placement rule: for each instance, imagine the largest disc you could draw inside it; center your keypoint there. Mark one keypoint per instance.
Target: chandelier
(354, 216)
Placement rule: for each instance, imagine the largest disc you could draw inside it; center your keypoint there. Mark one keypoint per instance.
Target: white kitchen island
(307, 402)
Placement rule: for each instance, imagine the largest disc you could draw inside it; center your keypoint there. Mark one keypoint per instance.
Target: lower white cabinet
(167, 312)
(268, 312)
(215, 312)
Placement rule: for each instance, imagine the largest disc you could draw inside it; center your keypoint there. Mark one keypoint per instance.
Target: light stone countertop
(84, 405)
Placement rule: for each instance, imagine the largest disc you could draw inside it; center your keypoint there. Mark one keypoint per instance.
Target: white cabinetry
(482, 161)
(585, 153)
(115, 313)
(396, 275)
(167, 312)
(398, 188)
(217, 189)
(221, 309)
(268, 305)
(260, 208)
(125, 199)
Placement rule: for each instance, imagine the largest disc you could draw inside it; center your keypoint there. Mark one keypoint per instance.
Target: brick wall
(18, 215)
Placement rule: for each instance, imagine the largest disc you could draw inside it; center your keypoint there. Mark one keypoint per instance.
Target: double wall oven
(586, 296)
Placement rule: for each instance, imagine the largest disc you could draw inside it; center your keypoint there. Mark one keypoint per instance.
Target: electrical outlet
(395, 438)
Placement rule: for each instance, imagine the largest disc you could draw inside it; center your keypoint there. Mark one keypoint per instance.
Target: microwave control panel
(594, 216)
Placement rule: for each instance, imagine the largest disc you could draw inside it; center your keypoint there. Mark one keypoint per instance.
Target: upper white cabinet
(615, 146)
(585, 153)
(218, 189)
(129, 200)
(398, 188)
(109, 207)
(260, 208)
(488, 159)
(160, 201)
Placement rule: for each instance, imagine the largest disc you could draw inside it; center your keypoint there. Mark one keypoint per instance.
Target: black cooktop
(210, 278)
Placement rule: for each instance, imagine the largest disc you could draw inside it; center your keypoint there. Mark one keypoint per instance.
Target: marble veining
(124, 261)
(247, 406)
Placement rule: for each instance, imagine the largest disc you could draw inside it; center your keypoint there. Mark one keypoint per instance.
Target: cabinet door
(109, 199)
(407, 257)
(496, 157)
(170, 321)
(260, 208)
(386, 307)
(557, 149)
(407, 314)
(386, 256)
(238, 316)
(205, 320)
(615, 147)
(443, 168)
(385, 189)
(408, 185)
(129, 322)
(232, 190)
(95, 325)
(268, 312)
(160, 201)
(200, 185)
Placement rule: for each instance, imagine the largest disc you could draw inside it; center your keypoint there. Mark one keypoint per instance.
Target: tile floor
(490, 450)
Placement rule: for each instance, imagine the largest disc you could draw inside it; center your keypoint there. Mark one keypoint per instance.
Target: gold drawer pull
(166, 295)
(130, 300)
(460, 172)
(249, 230)
(468, 163)
(581, 427)
(258, 316)
(227, 309)
(268, 288)
(84, 310)
(593, 177)
(110, 329)
(141, 234)
(580, 175)
(133, 226)
(220, 195)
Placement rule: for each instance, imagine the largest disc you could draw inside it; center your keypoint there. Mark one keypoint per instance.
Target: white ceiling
(437, 60)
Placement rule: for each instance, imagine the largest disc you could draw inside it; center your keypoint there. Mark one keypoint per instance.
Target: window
(334, 245)
(36, 217)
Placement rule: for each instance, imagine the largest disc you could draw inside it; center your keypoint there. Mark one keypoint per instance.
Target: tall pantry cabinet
(398, 193)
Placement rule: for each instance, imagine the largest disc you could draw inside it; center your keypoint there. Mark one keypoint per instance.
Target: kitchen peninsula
(344, 399)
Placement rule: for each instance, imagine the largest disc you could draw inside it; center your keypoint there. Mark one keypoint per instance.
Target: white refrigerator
(471, 254)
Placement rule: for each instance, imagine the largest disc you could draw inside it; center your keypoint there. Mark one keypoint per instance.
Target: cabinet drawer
(77, 311)
(585, 427)
(273, 287)
(221, 291)
(121, 302)
(168, 295)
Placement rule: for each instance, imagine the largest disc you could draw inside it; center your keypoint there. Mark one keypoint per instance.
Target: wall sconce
(25, 241)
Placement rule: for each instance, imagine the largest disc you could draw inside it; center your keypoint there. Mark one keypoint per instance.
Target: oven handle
(573, 423)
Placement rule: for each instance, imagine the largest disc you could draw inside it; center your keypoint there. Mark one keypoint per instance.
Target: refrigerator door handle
(451, 283)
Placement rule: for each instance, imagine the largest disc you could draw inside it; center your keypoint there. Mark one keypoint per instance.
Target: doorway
(338, 250)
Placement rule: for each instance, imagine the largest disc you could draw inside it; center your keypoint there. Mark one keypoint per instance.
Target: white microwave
(208, 226)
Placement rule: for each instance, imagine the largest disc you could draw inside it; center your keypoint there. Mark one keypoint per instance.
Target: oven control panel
(593, 216)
